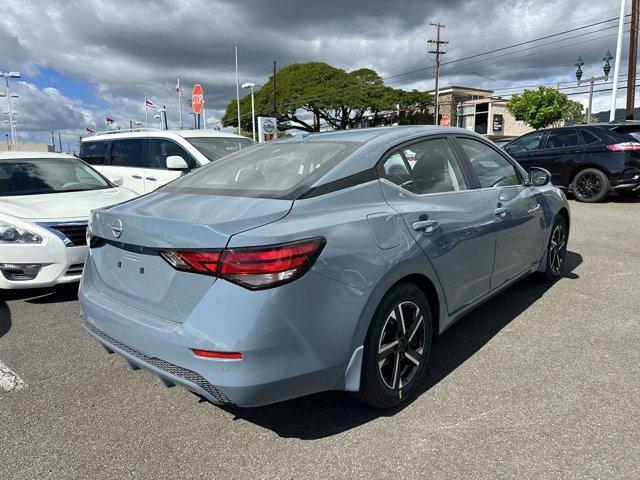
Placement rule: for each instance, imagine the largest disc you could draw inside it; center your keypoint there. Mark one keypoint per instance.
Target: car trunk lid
(128, 268)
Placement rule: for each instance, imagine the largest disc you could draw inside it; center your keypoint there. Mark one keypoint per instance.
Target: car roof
(154, 133)
(374, 142)
(13, 155)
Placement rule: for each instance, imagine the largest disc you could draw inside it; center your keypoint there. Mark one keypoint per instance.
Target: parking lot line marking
(9, 380)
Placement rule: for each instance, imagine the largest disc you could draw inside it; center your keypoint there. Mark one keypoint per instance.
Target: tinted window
(160, 149)
(526, 143)
(94, 153)
(128, 153)
(217, 147)
(34, 177)
(493, 169)
(270, 170)
(396, 171)
(589, 137)
(435, 167)
(562, 138)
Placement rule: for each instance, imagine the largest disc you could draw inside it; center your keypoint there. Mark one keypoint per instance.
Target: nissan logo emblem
(116, 228)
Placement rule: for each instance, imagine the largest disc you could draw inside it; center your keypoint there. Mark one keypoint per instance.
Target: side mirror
(118, 181)
(176, 162)
(539, 177)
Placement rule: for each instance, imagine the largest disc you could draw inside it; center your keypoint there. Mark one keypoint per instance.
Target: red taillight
(201, 262)
(254, 267)
(215, 354)
(623, 147)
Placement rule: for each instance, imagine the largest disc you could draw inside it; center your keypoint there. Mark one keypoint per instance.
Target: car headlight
(13, 234)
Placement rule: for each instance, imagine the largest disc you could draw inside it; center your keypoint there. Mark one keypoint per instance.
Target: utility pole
(437, 52)
(235, 44)
(60, 141)
(53, 141)
(9, 95)
(633, 56)
(616, 65)
(273, 93)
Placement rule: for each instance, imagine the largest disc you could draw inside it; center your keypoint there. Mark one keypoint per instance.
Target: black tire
(389, 382)
(556, 251)
(590, 185)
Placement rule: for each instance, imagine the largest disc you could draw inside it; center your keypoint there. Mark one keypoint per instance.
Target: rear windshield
(628, 133)
(217, 147)
(269, 170)
(48, 175)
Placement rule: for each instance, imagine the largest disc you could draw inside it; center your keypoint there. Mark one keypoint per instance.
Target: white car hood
(53, 206)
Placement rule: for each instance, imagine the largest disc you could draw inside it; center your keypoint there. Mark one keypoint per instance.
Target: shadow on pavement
(330, 413)
(61, 293)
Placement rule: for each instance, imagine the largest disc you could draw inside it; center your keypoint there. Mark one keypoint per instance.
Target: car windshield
(269, 170)
(47, 175)
(217, 147)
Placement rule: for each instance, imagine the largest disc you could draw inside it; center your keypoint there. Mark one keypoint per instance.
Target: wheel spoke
(413, 356)
(396, 367)
(385, 350)
(415, 326)
(401, 318)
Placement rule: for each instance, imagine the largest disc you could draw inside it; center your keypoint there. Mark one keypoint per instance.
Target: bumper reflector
(219, 355)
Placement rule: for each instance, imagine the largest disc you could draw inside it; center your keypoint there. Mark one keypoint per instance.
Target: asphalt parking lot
(541, 382)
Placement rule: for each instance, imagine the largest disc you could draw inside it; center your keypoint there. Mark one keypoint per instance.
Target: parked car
(503, 141)
(45, 199)
(588, 160)
(147, 159)
(330, 262)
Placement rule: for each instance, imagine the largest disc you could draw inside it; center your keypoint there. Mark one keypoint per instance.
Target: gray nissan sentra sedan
(332, 262)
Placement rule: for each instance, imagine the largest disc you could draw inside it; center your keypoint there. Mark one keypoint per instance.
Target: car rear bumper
(284, 355)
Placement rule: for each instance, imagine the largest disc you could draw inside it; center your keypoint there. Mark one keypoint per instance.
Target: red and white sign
(197, 99)
(445, 121)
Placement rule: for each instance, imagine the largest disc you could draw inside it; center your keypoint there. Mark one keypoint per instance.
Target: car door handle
(152, 179)
(137, 177)
(426, 226)
(501, 211)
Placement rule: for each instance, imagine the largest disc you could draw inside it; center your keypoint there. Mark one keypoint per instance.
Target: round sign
(445, 121)
(197, 99)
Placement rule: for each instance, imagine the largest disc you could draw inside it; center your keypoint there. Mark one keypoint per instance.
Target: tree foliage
(543, 107)
(336, 97)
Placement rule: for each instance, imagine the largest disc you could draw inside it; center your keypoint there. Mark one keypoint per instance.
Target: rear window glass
(629, 134)
(270, 170)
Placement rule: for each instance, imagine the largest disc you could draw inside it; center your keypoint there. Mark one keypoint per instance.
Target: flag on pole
(109, 120)
(90, 132)
(149, 103)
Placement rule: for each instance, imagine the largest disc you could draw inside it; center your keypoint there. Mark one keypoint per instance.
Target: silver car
(332, 262)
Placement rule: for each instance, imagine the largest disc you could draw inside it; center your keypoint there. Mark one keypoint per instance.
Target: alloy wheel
(588, 186)
(557, 250)
(401, 345)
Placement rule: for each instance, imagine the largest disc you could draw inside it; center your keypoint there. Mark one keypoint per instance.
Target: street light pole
(12, 127)
(253, 108)
(179, 89)
(616, 66)
(237, 87)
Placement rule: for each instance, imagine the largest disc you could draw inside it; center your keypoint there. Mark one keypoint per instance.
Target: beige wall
(28, 147)
(512, 127)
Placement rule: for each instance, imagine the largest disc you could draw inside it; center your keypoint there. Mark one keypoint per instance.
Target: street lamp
(253, 108)
(606, 68)
(9, 95)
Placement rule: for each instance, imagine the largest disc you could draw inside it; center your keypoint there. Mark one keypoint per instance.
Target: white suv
(146, 159)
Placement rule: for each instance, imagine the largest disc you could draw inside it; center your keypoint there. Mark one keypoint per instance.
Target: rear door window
(129, 153)
(589, 138)
(563, 138)
(94, 153)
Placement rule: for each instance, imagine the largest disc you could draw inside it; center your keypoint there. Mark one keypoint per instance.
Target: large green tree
(334, 96)
(543, 107)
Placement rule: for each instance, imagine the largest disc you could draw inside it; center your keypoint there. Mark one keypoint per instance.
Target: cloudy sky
(81, 60)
